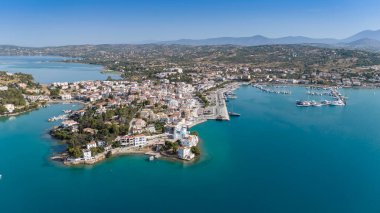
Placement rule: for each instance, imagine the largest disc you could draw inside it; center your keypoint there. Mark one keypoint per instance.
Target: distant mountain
(366, 40)
(363, 44)
(251, 41)
(367, 34)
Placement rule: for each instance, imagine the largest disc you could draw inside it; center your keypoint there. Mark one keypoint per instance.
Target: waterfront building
(69, 123)
(86, 154)
(185, 153)
(9, 107)
(189, 141)
(132, 140)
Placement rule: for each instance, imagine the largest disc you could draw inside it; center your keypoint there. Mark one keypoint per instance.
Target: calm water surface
(274, 158)
(49, 69)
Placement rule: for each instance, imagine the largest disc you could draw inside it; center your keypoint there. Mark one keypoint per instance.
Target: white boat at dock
(303, 103)
(338, 103)
(56, 118)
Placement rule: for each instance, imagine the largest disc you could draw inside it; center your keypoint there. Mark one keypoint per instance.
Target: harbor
(338, 98)
(218, 106)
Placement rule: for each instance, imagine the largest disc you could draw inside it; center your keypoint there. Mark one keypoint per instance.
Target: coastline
(20, 113)
(147, 150)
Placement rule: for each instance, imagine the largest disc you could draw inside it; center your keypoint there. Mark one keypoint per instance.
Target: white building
(9, 107)
(86, 154)
(180, 132)
(101, 143)
(132, 140)
(190, 141)
(3, 88)
(185, 153)
(90, 145)
(69, 123)
(176, 69)
(66, 97)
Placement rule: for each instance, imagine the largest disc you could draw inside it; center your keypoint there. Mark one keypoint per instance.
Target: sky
(65, 22)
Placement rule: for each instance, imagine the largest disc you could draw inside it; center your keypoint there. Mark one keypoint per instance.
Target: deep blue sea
(49, 69)
(276, 157)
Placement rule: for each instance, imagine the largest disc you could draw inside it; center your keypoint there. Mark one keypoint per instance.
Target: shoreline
(62, 157)
(232, 86)
(119, 152)
(21, 113)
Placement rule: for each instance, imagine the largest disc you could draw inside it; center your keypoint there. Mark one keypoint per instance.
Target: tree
(194, 133)
(175, 147)
(75, 152)
(94, 150)
(3, 110)
(54, 92)
(109, 154)
(196, 150)
(168, 145)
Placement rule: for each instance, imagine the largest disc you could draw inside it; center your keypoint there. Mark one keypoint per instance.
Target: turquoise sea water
(274, 158)
(48, 69)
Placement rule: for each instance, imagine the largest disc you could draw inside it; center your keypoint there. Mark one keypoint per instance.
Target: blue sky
(61, 22)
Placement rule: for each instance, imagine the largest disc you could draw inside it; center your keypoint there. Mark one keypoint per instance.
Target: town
(164, 90)
(125, 117)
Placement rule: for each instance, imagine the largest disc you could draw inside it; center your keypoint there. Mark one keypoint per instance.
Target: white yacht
(338, 103)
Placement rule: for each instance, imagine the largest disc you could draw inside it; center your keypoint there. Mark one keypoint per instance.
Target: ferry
(234, 114)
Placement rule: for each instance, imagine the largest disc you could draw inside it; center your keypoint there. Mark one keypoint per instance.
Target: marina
(269, 89)
(339, 99)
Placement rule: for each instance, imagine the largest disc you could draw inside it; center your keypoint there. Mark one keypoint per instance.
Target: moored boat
(303, 103)
(234, 114)
(338, 103)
